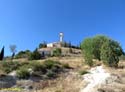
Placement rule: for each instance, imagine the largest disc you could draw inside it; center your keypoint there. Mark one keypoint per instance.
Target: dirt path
(96, 77)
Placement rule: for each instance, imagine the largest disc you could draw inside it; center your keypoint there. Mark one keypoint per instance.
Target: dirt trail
(95, 77)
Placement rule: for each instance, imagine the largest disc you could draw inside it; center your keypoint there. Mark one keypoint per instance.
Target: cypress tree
(2, 54)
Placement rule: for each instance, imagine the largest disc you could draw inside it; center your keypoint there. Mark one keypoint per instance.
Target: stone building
(48, 51)
(51, 46)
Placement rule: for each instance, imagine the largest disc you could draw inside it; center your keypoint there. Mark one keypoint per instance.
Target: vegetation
(110, 53)
(122, 57)
(10, 66)
(87, 48)
(23, 54)
(98, 41)
(101, 48)
(57, 52)
(35, 55)
(2, 54)
(13, 50)
(69, 45)
(51, 74)
(65, 44)
(66, 65)
(23, 73)
(82, 72)
(43, 45)
(48, 68)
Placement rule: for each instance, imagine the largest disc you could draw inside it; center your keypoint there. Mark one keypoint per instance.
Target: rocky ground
(105, 79)
(99, 79)
(115, 83)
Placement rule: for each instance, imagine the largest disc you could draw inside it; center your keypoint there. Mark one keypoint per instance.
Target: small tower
(61, 37)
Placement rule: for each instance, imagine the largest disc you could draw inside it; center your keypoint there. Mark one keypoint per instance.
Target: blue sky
(26, 23)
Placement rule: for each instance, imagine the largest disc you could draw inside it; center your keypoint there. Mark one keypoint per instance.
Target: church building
(52, 46)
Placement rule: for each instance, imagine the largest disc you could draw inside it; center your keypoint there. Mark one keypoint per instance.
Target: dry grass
(70, 82)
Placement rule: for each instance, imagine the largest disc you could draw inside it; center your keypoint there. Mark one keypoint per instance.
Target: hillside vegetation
(65, 73)
(103, 49)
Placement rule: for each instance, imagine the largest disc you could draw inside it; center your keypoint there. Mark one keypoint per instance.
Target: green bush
(51, 74)
(50, 63)
(37, 66)
(66, 66)
(43, 45)
(57, 52)
(23, 54)
(35, 55)
(10, 66)
(82, 72)
(23, 73)
(89, 60)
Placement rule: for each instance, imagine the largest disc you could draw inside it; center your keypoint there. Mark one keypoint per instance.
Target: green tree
(43, 45)
(87, 49)
(23, 54)
(2, 54)
(13, 50)
(35, 55)
(110, 53)
(97, 44)
(101, 48)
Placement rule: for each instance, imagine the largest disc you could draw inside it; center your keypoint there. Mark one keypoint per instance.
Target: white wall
(50, 45)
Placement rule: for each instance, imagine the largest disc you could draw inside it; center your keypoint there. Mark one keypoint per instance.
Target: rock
(13, 74)
(25, 84)
(7, 81)
(113, 78)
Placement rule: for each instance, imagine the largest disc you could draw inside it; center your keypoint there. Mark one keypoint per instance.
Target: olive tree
(98, 41)
(13, 50)
(110, 53)
(102, 48)
(87, 50)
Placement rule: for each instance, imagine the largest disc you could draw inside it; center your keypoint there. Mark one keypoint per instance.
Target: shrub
(89, 60)
(37, 66)
(10, 66)
(56, 69)
(82, 72)
(66, 66)
(23, 73)
(51, 74)
(43, 45)
(23, 54)
(49, 64)
(35, 55)
(57, 52)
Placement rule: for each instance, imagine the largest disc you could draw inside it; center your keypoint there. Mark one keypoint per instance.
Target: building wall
(55, 44)
(50, 45)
